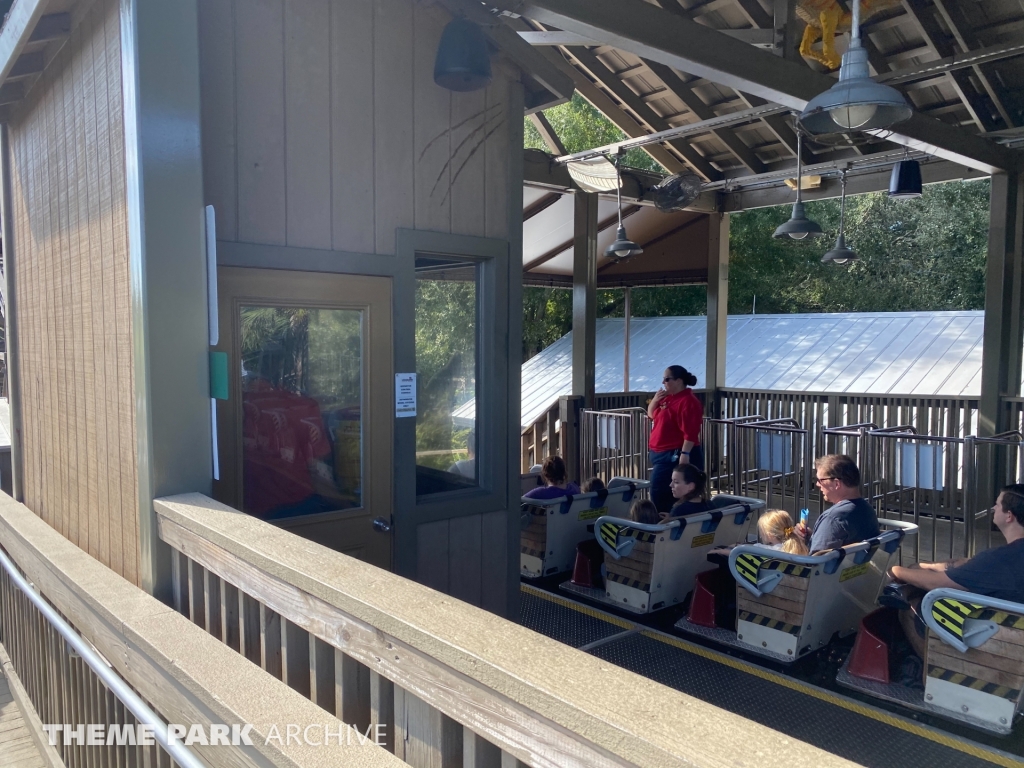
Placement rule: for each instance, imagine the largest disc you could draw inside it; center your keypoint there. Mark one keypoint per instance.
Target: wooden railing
(184, 674)
(461, 686)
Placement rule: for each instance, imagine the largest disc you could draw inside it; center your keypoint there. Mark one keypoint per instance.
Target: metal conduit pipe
(146, 716)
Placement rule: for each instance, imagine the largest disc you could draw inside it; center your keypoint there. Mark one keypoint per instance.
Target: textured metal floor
(845, 726)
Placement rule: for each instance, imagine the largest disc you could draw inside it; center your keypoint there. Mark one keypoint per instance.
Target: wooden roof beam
(702, 111)
(927, 24)
(657, 35)
(968, 40)
(17, 31)
(634, 103)
(540, 122)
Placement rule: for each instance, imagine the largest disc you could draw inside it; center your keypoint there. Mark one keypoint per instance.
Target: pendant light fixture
(840, 254)
(623, 247)
(905, 182)
(799, 227)
(463, 60)
(856, 102)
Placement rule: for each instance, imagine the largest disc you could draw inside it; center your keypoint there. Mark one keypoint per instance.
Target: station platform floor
(801, 700)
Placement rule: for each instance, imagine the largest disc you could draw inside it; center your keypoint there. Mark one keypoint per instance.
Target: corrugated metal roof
(907, 353)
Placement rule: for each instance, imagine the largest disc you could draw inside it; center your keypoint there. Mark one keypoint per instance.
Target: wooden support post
(584, 296)
(477, 752)
(295, 657)
(321, 673)
(1004, 328)
(569, 413)
(718, 308)
(351, 691)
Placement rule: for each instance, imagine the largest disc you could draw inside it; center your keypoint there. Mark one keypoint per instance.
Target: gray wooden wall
(323, 131)
(75, 328)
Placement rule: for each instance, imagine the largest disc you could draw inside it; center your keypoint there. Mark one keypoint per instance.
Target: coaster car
(787, 606)
(650, 567)
(552, 528)
(973, 672)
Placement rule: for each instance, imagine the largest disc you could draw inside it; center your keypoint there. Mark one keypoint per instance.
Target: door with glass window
(305, 438)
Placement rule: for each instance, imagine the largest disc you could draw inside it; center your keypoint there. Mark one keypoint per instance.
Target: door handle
(380, 525)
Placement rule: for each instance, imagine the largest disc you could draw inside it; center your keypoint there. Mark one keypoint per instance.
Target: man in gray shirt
(850, 519)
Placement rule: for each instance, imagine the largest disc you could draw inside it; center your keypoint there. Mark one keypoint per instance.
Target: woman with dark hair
(675, 439)
(556, 480)
(689, 487)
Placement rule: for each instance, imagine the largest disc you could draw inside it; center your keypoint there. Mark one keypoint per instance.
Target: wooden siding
(323, 128)
(70, 233)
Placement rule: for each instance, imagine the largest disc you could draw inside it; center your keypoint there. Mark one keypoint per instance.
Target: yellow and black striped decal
(958, 678)
(532, 552)
(790, 569)
(1002, 618)
(748, 565)
(951, 614)
(643, 535)
(609, 533)
(764, 621)
(634, 583)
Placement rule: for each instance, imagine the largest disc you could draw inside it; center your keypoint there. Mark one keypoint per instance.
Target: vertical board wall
(323, 129)
(70, 230)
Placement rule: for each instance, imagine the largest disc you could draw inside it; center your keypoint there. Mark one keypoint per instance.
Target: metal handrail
(143, 713)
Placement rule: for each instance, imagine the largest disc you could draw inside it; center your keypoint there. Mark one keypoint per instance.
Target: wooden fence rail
(185, 675)
(462, 687)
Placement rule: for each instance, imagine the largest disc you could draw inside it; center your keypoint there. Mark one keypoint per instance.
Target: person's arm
(652, 406)
(925, 578)
(690, 419)
(684, 452)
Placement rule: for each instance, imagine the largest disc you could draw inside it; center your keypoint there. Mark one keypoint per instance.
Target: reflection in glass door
(305, 439)
(302, 394)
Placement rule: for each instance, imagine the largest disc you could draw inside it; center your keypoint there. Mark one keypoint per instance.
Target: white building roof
(906, 353)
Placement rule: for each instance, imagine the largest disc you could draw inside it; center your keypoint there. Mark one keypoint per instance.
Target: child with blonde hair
(775, 528)
(644, 511)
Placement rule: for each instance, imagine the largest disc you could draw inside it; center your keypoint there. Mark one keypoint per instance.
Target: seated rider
(996, 572)
(850, 519)
(644, 511)
(689, 489)
(556, 480)
(592, 485)
(775, 529)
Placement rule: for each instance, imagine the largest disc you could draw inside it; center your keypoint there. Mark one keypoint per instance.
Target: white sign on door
(405, 395)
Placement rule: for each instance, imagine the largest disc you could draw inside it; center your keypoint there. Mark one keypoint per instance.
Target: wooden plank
(620, 569)
(494, 554)
(219, 135)
(229, 615)
(249, 628)
(471, 125)
(432, 117)
(988, 674)
(793, 582)
(464, 561)
(211, 603)
(197, 593)
(351, 691)
(260, 108)
(382, 710)
(321, 673)
(477, 752)
(773, 601)
(353, 181)
(270, 641)
(991, 657)
(497, 149)
(765, 610)
(424, 737)
(307, 88)
(1010, 635)
(393, 155)
(432, 555)
(295, 657)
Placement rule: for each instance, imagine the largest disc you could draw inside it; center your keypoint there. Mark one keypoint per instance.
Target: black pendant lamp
(905, 182)
(840, 254)
(463, 60)
(623, 247)
(799, 227)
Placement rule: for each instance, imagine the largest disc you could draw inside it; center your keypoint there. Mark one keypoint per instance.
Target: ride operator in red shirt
(675, 439)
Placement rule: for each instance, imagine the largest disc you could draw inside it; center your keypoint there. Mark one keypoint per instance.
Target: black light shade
(623, 247)
(463, 60)
(905, 182)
